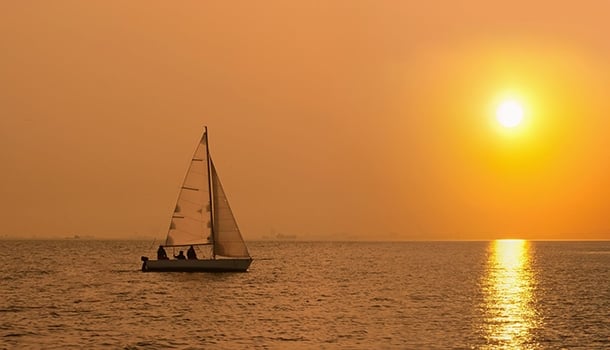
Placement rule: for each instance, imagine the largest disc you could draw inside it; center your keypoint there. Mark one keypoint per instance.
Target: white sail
(190, 222)
(227, 238)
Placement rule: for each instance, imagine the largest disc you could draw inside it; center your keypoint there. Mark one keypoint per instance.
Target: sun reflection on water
(509, 302)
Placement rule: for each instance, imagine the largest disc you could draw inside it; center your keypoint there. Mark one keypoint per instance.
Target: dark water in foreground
(302, 295)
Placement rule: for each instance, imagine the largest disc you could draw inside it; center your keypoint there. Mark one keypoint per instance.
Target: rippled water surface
(310, 295)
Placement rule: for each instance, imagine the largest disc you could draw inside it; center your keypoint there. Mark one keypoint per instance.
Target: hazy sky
(328, 119)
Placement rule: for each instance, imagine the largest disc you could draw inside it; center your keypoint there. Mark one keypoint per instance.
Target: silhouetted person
(191, 253)
(161, 254)
(180, 256)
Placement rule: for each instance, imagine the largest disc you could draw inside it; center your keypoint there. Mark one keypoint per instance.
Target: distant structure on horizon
(79, 237)
(279, 236)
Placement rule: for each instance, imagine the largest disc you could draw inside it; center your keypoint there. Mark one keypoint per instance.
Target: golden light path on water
(511, 315)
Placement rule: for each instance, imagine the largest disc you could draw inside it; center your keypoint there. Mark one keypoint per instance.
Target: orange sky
(328, 120)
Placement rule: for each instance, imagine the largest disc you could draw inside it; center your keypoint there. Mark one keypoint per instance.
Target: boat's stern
(144, 263)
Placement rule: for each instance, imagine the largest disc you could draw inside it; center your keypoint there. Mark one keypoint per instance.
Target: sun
(509, 113)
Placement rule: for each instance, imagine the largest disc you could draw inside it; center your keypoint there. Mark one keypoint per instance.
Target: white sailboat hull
(208, 265)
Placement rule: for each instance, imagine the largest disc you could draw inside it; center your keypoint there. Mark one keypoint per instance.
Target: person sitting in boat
(161, 254)
(190, 254)
(180, 256)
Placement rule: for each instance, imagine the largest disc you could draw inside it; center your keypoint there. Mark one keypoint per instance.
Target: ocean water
(76, 294)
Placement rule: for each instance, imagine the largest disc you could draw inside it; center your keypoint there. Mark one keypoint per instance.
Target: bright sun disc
(509, 113)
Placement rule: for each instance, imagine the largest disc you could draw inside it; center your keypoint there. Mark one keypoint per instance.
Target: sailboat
(202, 220)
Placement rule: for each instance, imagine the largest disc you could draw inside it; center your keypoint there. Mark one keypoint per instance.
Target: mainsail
(190, 222)
(193, 216)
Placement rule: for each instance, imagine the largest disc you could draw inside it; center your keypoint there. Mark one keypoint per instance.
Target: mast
(207, 150)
